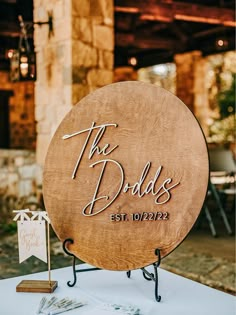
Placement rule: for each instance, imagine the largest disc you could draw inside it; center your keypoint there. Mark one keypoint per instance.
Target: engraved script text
(161, 192)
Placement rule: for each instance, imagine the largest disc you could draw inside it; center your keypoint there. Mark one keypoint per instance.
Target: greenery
(223, 130)
(8, 228)
(226, 100)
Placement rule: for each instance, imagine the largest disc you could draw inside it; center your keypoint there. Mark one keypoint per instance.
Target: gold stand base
(36, 286)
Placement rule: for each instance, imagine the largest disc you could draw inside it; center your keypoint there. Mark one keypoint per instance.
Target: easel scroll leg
(156, 265)
(150, 276)
(70, 241)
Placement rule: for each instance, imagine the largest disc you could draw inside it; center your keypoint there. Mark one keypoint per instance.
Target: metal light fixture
(23, 66)
(132, 61)
(23, 59)
(221, 43)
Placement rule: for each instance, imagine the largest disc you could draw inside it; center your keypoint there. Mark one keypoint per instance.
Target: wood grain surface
(154, 161)
(36, 286)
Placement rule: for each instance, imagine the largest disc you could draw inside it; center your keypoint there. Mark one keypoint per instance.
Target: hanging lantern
(22, 66)
(23, 60)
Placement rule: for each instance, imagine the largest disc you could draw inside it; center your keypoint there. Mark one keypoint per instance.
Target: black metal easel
(146, 274)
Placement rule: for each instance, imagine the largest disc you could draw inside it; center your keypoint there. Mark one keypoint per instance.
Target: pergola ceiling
(152, 31)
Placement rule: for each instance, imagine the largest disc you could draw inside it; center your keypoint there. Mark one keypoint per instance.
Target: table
(179, 295)
(221, 178)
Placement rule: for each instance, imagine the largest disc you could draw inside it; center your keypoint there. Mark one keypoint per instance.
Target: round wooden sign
(126, 173)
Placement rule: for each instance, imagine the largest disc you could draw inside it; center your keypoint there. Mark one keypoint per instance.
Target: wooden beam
(178, 32)
(10, 29)
(159, 27)
(215, 30)
(129, 40)
(8, 1)
(127, 10)
(8, 33)
(169, 11)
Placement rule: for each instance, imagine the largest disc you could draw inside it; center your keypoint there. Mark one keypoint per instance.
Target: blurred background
(53, 53)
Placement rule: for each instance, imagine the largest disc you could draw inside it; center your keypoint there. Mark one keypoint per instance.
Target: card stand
(146, 274)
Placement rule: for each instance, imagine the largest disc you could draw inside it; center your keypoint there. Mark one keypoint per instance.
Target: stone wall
(197, 83)
(74, 61)
(92, 46)
(162, 75)
(125, 74)
(21, 112)
(185, 76)
(20, 180)
(200, 88)
(192, 85)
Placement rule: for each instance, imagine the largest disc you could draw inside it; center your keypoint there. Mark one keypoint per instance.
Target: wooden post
(49, 256)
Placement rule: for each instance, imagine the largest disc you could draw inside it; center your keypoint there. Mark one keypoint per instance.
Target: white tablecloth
(180, 296)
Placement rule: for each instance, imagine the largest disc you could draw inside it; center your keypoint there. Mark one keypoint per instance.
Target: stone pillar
(201, 102)
(75, 60)
(185, 76)
(92, 46)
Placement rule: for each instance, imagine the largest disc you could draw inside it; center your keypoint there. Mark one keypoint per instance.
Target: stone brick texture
(20, 181)
(75, 60)
(21, 112)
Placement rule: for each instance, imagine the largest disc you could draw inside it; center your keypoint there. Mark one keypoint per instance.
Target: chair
(221, 184)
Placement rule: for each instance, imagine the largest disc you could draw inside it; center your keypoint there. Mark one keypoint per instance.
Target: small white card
(32, 240)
